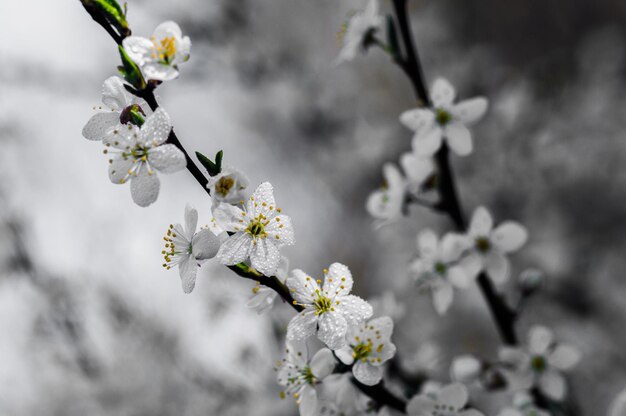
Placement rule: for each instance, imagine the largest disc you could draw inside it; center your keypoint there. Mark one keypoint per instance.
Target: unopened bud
(531, 280)
(466, 369)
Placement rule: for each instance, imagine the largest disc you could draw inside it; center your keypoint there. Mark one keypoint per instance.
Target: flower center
(442, 117)
(440, 268)
(256, 227)
(322, 305)
(538, 363)
(482, 244)
(361, 351)
(224, 185)
(307, 375)
(176, 248)
(164, 50)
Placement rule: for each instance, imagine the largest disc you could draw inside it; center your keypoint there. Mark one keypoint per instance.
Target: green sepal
(392, 37)
(214, 168)
(130, 71)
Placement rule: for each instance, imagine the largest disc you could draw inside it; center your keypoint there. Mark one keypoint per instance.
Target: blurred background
(91, 324)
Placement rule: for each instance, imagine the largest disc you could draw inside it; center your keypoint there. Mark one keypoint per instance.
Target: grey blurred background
(90, 324)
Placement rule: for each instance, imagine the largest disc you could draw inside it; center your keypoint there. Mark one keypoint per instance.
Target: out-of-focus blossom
(489, 246)
(465, 369)
(369, 347)
(540, 363)
(357, 32)
(329, 310)
(300, 375)
(184, 247)
(445, 120)
(449, 401)
(259, 231)
(141, 152)
(388, 305)
(437, 267)
(159, 56)
(117, 104)
(263, 297)
(228, 186)
(618, 406)
(417, 170)
(385, 204)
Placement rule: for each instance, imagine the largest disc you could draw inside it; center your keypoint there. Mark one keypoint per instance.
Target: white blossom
(159, 56)
(489, 246)
(369, 347)
(357, 30)
(139, 153)
(115, 100)
(300, 376)
(445, 120)
(184, 247)
(228, 185)
(437, 267)
(540, 362)
(385, 204)
(447, 402)
(388, 305)
(263, 297)
(417, 170)
(465, 369)
(259, 231)
(328, 310)
(523, 405)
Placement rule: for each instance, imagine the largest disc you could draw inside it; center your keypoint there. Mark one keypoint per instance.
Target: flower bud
(466, 369)
(530, 280)
(130, 71)
(108, 12)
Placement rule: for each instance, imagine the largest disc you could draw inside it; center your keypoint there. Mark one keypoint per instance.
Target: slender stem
(501, 312)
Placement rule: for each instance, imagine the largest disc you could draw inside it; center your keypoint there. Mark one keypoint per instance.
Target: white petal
(156, 129)
(303, 287)
(264, 256)
(470, 111)
(514, 357)
(564, 357)
(302, 325)
(138, 48)
(230, 217)
(442, 297)
(442, 93)
(100, 125)
(454, 395)
(458, 138)
(481, 223)
(458, 277)
(114, 95)
(280, 226)
(167, 29)
(509, 236)
(382, 326)
(191, 221)
(262, 201)
(235, 249)
(187, 270)
(367, 374)
(167, 158)
(417, 169)
(427, 142)
(452, 246)
(420, 406)
(262, 300)
(472, 264)
(552, 384)
(159, 72)
(540, 338)
(345, 355)
(144, 188)
(418, 119)
(618, 407)
(205, 244)
(323, 363)
(497, 266)
(427, 244)
(332, 328)
(308, 401)
(338, 280)
(118, 169)
(466, 369)
(297, 352)
(354, 309)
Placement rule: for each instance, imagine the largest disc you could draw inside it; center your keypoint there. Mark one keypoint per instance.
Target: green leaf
(392, 37)
(130, 71)
(112, 12)
(214, 168)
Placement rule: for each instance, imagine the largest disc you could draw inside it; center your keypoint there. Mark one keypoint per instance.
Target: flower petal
(466, 369)
(138, 48)
(442, 297)
(100, 125)
(262, 202)
(235, 249)
(452, 246)
(230, 217)
(345, 355)
(458, 138)
(332, 327)
(114, 95)
(167, 158)
(281, 230)
(367, 374)
(497, 266)
(144, 188)
(420, 406)
(509, 236)
(303, 287)
(470, 111)
(427, 244)
(418, 119)
(338, 281)
(459, 277)
(156, 129)
(187, 270)
(354, 309)
(454, 395)
(297, 352)
(323, 363)
(564, 357)
(264, 256)
(308, 401)
(427, 142)
(540, 338)
(481, 223)
(442, 93)
(417, 169)
(205, 244)
(191, 221)
(302, 325)
(552, 384)
(118, 169)
(167, 29)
